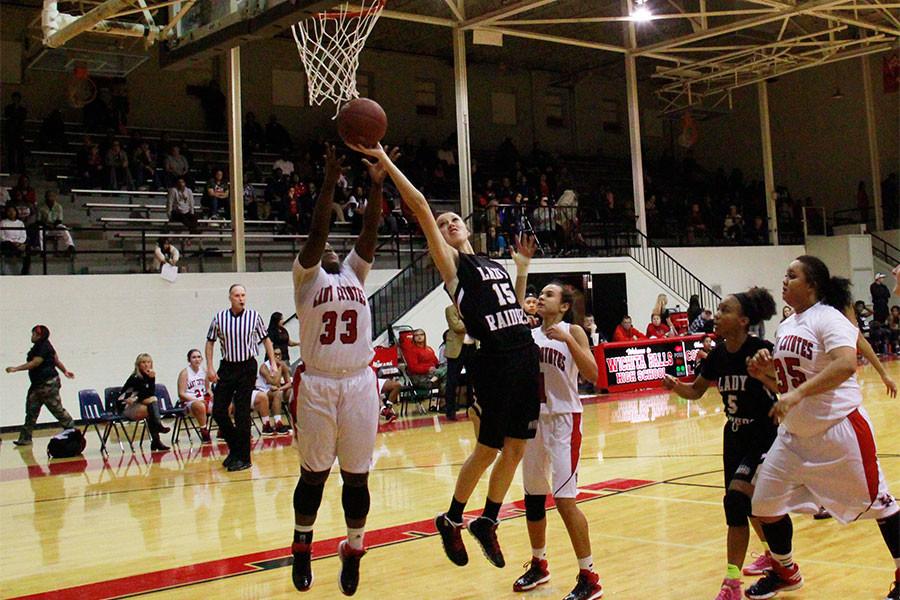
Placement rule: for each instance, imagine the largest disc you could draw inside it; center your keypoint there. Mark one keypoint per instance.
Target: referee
(239, 331)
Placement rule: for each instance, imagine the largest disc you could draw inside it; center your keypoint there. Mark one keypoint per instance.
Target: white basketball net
(329, 44)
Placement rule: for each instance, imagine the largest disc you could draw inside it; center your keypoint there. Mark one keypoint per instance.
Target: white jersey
(335, 322)
(559, 373)
(261, 383)
(801, 347)
(196, 382)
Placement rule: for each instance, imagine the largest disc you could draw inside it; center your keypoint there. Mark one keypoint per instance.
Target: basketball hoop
(329, 44)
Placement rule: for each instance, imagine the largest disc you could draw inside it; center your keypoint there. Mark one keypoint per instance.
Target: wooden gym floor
(177, 525)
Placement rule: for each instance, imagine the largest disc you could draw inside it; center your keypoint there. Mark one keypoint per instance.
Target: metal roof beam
(626, 19)
(501, 13)
(542, 37)
(856, 22)
(417, 18)
(800, 9)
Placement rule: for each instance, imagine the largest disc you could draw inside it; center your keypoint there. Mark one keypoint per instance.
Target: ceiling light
(641, 12)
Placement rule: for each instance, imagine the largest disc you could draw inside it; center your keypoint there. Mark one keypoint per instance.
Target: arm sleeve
(836, 331)
(359, 266)
(213, 333)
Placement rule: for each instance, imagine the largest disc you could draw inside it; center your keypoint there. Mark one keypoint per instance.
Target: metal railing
(884, 250)
(402, 292)
(136, 246)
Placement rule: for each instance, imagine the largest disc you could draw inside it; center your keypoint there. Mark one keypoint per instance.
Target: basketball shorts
(837, 470)
(744, 450)
(507, 391)
(337, 418)
(552, 456)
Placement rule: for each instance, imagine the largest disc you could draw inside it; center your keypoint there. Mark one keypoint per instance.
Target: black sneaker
(239, 465)
(485, 531)
(301, 571)
(228, 460)
(894, 594)
(537, 574)
(22, 442)
(348, 579)
(773, 582)
(587, 587)
(451, 538)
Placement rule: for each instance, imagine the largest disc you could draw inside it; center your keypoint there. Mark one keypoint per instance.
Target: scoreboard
(644, 364)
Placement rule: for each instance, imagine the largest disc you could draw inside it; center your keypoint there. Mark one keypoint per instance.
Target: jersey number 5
(788, 367)
(329, 323)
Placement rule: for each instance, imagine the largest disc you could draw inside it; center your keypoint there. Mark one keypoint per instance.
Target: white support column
(236, 160)
(634, 126)
(464, 150)
(872, 135)
(768, 172)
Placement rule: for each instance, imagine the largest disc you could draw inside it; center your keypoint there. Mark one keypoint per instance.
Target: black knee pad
(535, 507)
(738, 508)
(308, 493)
(355, 479)
(355, 500)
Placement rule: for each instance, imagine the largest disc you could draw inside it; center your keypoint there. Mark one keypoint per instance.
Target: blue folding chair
(110, 395)
(93, 415)
(168, 409)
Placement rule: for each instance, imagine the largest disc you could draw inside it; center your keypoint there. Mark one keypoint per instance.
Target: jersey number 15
(329, 324)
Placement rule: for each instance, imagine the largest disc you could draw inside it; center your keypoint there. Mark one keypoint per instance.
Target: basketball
(362, 121)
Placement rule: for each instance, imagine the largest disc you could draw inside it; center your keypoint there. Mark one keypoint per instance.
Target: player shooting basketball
(337, 397)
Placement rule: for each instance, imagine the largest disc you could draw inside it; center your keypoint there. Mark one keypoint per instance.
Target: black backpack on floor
(67, 444)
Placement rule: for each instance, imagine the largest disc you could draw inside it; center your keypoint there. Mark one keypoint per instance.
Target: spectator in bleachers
(193, 392)
(25, 201)
(180, 205)
(176, 165)
(51, 219)
(52, 134)
(733, 225)
(696, 224)
(543, 220)
(137, 400)
(758, 233)
(285, 164)
(660, 308)
(165, 253)
(143, 165)
(253, 132)
(251, 205)
(277, 137)
(703, 323)
(15, 114)
(626, 332)
(693, 309)
(276, 193)
(13, 238)
(218, 194)
(90, 164)
(658, 329)
(117, 167)
(23, 192)
(594, 335)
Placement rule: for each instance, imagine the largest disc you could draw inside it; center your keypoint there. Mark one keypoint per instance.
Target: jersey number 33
(330, 320)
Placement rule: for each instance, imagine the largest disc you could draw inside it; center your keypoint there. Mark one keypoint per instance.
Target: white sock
(277, 419)
(785, 560)
(586, 563)
(265, 420)
(303, 528)
(355, 537)
(539, 553)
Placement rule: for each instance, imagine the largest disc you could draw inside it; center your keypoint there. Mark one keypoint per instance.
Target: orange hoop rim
(377, 7)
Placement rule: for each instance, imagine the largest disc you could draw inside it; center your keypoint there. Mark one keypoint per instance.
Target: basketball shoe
(267, 429)
(301, 571)
(587, 587)
(759, 566)
(484, 530)
(282, 429)
(349, 577)
(451, 538)
(204, 436)
(779, 579)
(537, 574)
(894, 593)
(731, 590)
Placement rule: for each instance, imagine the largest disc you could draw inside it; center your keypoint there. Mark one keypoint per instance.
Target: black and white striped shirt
(238, 335)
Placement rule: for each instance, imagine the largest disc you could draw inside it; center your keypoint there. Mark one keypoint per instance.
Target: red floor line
(242, 565)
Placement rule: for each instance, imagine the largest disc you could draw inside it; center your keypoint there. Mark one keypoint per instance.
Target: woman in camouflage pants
(44, 390)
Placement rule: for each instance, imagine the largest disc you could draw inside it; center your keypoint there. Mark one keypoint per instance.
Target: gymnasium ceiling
(696, 52)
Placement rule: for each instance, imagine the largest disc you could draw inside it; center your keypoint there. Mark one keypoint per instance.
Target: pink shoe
(759, 566)
(731, 590)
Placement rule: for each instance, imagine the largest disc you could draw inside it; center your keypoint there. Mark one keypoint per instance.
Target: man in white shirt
(13, 238)
(285, 164)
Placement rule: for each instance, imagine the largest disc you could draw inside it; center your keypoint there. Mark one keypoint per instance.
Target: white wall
(100, 323)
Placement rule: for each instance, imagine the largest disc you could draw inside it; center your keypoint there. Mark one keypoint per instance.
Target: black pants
(454, 369)
(235, 386)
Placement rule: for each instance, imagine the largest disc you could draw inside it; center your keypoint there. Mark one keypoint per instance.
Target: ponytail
(757, 304)
(833, 291)
(837, 294)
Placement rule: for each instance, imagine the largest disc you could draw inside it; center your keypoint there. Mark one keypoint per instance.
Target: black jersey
(747, 401)
(487, 304)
